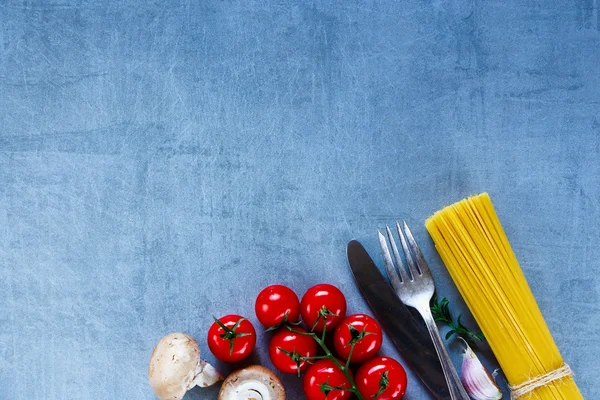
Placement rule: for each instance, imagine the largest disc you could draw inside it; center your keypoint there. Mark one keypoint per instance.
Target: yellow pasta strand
(470, 239)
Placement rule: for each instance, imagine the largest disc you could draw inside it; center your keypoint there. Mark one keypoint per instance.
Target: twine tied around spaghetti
(539, 381)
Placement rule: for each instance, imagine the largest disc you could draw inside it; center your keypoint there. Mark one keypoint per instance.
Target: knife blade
(410, 338)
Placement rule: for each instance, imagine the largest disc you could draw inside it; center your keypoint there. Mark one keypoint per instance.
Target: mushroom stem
(252, 383)
(253, 390)
(206, 375)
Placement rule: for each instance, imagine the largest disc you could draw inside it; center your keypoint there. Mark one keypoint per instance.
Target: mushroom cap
(173, 366)
(252, 383)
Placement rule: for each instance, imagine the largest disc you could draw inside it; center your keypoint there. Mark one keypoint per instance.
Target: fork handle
(455, 386)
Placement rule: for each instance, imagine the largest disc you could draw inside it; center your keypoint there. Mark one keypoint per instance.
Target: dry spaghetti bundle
(476, 251)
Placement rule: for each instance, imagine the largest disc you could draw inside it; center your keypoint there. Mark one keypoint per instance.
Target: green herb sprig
(441, 313)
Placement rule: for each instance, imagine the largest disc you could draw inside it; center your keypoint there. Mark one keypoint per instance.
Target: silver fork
(415, 290)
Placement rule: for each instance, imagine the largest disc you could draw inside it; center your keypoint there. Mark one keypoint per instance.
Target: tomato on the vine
(288, 350)
(321, 303)
(381, 378)
(275, 305)
(231, 338)
(363, 331)
(322, 379)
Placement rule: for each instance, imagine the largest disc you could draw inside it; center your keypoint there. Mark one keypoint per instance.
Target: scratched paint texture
(160, 162)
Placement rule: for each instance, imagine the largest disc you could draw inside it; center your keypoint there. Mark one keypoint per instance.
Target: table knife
(409, 336)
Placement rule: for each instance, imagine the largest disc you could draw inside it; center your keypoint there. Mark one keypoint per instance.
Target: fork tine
(420, 260)
(412, 266)
(399, 263)
(389, 264)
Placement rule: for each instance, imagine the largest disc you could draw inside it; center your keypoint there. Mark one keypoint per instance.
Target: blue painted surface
(161, 162)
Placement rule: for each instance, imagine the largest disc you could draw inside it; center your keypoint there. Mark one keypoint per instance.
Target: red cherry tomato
(287, 347)
(276, 303)
(232, 338)
(322, 373)
(362, 330)
(323, 302)
(381, 375)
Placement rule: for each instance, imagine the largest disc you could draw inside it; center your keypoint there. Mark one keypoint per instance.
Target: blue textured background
(163, 161)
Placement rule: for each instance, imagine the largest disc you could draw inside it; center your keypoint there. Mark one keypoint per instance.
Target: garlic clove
(478, 382)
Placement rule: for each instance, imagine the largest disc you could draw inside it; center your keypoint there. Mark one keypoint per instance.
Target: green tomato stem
(350, 355)
(328, 355)
(315, 358)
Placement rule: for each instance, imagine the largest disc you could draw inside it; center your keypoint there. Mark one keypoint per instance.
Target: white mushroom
(252, 383)
(176, 367)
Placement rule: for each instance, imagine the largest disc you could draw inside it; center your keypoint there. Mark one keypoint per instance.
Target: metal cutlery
(409, 336)
(415, 288)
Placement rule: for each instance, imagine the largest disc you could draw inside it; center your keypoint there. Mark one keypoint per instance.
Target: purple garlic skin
(478, 382)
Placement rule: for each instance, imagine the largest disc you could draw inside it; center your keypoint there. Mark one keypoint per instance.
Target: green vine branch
(345, 368)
